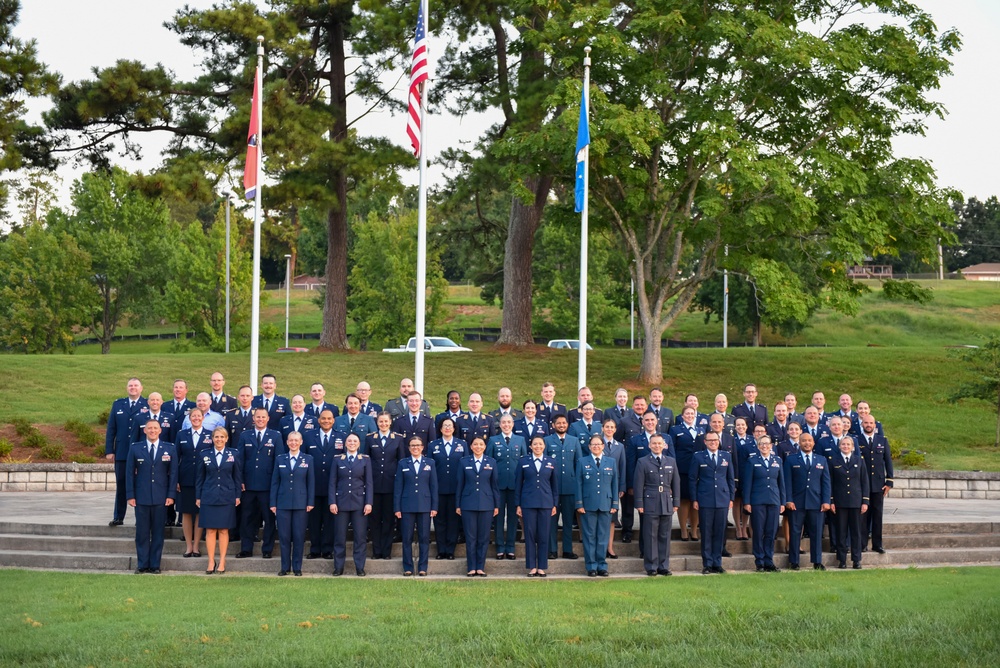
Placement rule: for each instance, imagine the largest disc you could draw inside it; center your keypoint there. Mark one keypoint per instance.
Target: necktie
(413, 420)
(809, 461)
(260, 438)
(351, 459)
(714, 460)
(267, 405)
(538, 464)
(298, 423)
(326, 441)
(152, 450)
(869, 441)
(245, 415)
(607, 445)
(131, 405)
(598, 462)
(149, 447)
(507, 439)
(589, 425)
(657, 460)
(352, 423)
(478, 464)
(177, 407)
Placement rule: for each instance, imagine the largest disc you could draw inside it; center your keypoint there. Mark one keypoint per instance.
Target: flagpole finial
(586, 56)
(260, 46)
(586, 50)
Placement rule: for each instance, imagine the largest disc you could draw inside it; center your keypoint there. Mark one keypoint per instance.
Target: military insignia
(230, 459)
(725, 462)
(427, 467)
(166, 458)
(207, 460)
(304, 465)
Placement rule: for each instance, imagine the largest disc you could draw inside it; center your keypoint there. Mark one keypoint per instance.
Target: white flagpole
(255, 298)
(582, 366)
(418, 373)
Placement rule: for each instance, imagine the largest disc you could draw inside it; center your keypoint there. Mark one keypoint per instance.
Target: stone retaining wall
(57, 477)
(101, 477)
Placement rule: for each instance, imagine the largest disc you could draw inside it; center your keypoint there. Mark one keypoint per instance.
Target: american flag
(418, 76)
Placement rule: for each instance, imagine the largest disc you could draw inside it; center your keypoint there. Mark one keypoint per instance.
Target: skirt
(217, 517)
(186, 504)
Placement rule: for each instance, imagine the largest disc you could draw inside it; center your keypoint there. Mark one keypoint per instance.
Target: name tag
(524, 466)
(282, 466)
(468, 468)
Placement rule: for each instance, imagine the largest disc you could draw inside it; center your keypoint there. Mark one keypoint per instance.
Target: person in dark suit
(368, 407)
(813, 424)
(218, 480)
(475, 423)
(850, 486)
(276, 406)
(477, 503)
(548, 407)
(190, 443)
(156, 412)
(807, 496)
(685, 436)
(565, 450)
(664, 415)
(414, 502)
(124, 413)
(293, 490)
(596, 501)
(258, 448)
(536, 491)
(505, 400)
(743, 444)
(631, 423)
(322, 445)
(713, 488)
(717, 425)
(386, 449)
(657, 485)
(530, 426)
(318, 404)
(453, 401)
(764, 500)
(777, 428)
(222, 403)
(846, 404)
(616, 450)
(415, 422)
(353, 421)
(150, 486)
(447, 452)
(398, 406)
(350, 494)
(878, 462)
(754, 412)
(178, 407)
(506, 449)
(584, 396)
(297, 420)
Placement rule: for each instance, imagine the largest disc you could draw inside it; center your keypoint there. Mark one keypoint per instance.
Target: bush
(84, 432)
(76, 426)
(102, 417)
(896, 447)
(91, 439)
(99, 451)
(22, 427)
(906, 291)
(912, 458)
(82, 459)
(52, 451)
(35, 440)
(6, 447)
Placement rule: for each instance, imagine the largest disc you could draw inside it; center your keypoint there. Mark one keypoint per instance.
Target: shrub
(102, 417)
(76, 426)
(82, 459)
(52, 451)
(912, 458)
(6, 447)
(906, 291)
(22, 427)
(91, 439)
(99, 451)
(896, 447)
(35, 439)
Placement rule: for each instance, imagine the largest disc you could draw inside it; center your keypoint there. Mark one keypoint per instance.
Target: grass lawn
(906, 386)
(889, 617)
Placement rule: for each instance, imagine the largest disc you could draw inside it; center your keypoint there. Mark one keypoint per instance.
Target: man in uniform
(849, 483)
(721, 408)
(807, 490)
(297, 420)
(276, 406)
(657, 486)
(663, 414)
(878, 461)
(222, 403)
(353, 421)
(211, 419)
(322, 445)
(548, 407)
(241, 418)
(122, 417)
(777, 429)
(399, 406)
(155, 403)
(505, 398)
(582, 397)
(565, 450)
(713, 489)
(596, 501)
(506, 448)
(415, 421)
(475, 424)
(319, 404)
(259, 449)
(754, 412)
(179, 407)
(151, 486)
(812, 424)
(368, 407)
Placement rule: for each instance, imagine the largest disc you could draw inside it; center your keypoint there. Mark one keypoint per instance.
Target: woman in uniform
(219, 479)
(190, 443)
(536, 492)
(764, 500)
(477, 501)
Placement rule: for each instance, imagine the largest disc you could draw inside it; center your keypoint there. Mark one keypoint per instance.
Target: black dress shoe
(773, 569)
(450, 557)
(338, 571)
(819, 567)
(842, 564)
(188, 554)
(794, 567)
(312, 555)
(727, 553)
(570, 555)
(603, 573)
(298, 574)
(857, 565)
(282, 574)
(719, 569)
(760, 569)
(470, 574)
(156, 571)
(501, 556)
(328, 555)
(439, 556)
(140, 571)
(651, 573)
(511, 556)
(591, 574)
(196, 554)
(265, 555)
(553, 555)
(541, 575)
(115, 523)
(707, 571)
(627, 538)
(243, 555)
(407, 574)
(612, 555)
(361, 572)
(664, 571)
(880, 550)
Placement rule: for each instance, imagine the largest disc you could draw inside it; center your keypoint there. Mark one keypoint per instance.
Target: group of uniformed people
(234, 465)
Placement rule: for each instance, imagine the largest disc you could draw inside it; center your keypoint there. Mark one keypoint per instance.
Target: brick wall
(57, 477)
(947, 485)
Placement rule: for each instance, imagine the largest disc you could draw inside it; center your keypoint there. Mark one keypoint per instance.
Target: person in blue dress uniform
(807, 497)
(293, 490)
(350, 496)
(712, 486)
(764, 500)
(150, 486)
(189, 443)
(507, 448)
(536, 491)
(477, 500)
(414, 502)
(218, 479)
(596, 501)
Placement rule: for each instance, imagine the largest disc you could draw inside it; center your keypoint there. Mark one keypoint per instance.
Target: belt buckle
(661, 488)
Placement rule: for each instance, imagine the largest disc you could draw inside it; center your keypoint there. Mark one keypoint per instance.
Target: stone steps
(103, 548)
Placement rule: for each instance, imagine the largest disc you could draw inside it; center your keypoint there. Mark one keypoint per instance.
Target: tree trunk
(755, 342)
(651, 369)
(334, 334)
(515, 326)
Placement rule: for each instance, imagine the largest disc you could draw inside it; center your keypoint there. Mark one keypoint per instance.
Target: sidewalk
(95, 508)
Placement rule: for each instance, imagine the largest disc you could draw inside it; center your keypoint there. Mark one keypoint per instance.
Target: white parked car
(567, 343)
(432, 344)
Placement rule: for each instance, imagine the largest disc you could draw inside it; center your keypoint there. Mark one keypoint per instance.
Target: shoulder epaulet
(342, 456)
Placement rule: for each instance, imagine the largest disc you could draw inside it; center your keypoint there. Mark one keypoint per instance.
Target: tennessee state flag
(253, 142)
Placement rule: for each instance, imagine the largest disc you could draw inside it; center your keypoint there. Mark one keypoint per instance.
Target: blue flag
(582, 142)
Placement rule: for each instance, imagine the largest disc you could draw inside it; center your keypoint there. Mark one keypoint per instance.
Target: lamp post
(288, 287)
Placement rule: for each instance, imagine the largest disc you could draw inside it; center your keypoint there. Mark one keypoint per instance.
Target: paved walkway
(95, 508)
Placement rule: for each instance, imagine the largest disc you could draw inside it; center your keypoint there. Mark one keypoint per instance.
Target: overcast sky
(74, 36)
